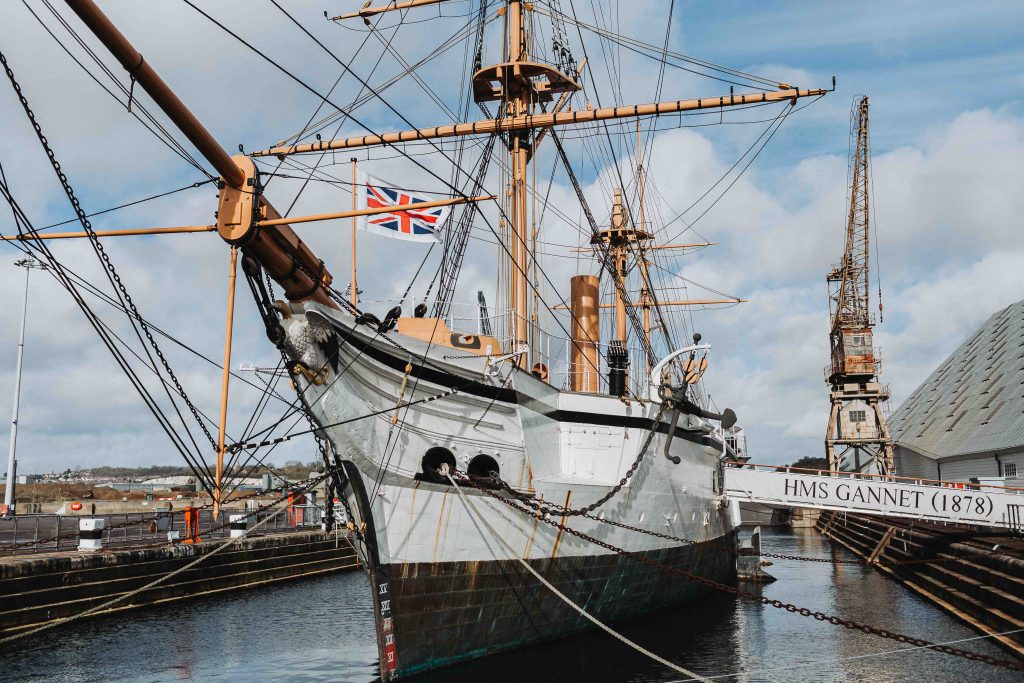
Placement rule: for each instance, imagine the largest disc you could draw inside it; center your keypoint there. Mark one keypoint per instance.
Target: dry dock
(977, 576)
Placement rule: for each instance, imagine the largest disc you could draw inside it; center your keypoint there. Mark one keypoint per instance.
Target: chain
(540, 507)
(739, 592)
(669, 537)
(84, 220)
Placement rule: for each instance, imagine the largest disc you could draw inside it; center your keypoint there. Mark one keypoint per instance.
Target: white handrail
(655, 378)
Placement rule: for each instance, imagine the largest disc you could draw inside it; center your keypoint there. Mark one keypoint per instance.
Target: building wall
(911, 464)
(982, 465)
(864, 428)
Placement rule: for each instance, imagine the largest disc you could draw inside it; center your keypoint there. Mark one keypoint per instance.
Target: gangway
(874, 494)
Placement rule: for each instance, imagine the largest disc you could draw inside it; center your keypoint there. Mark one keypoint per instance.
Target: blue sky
(945, 83)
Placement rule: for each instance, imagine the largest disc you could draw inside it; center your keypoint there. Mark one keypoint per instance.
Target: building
(967, 420)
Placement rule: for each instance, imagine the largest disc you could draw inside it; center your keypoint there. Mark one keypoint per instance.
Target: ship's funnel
(586, 334)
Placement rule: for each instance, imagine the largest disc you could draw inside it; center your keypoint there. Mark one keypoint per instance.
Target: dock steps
(983, 588)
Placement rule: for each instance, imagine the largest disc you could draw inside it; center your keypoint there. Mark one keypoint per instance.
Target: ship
(563, 433)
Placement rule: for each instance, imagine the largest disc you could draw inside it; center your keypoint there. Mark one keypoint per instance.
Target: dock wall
(978, 580)
(40, 588)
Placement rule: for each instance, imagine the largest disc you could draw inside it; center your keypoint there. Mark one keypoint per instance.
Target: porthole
(431, 464)
(482, 465)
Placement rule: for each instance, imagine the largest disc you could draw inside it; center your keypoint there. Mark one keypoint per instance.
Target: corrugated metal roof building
(967, 420)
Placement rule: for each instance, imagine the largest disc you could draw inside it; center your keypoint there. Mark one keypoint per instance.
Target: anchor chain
(739, 592)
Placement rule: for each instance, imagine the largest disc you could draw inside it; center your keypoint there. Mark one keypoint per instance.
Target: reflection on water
(321, 629)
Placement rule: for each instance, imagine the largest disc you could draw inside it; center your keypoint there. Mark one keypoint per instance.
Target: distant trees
(292, 470)
(810, 463)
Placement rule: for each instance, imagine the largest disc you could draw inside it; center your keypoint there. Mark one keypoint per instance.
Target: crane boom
(851, 309)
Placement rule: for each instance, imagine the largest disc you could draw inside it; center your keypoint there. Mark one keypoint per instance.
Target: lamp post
(8, 508)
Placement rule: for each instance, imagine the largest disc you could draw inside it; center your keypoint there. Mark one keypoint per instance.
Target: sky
(947, 132)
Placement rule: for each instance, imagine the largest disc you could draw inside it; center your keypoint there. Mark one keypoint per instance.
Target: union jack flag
(418, 225)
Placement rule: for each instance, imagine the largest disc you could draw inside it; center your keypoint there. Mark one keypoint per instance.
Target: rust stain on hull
(561, 526)
(440, 518)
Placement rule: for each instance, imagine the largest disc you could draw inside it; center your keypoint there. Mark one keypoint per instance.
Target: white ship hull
(562, 447)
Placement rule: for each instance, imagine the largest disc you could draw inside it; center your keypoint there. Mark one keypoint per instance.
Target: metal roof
(974, 401)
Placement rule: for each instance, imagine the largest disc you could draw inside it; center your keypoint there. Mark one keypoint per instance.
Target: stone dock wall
(36, 589)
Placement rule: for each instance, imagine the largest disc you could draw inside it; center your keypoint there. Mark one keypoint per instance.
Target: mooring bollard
(90, 534)
(238, 525)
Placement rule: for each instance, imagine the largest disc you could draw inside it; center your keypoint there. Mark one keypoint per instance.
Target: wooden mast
(619, 256)
(517, 103)
(354, 295)
(645, 276)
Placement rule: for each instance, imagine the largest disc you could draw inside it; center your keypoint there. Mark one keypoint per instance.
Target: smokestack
(586, 334)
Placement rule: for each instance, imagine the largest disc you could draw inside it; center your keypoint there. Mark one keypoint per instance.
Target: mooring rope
(547, 584)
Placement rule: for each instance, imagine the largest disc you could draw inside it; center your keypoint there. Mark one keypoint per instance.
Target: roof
(974, 401)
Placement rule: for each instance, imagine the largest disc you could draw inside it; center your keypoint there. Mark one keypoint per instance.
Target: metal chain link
(739, 592)
(87, 225)
(670, 537)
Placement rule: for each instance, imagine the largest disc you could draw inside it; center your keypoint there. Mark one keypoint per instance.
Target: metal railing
(553, 351)
(45, 533)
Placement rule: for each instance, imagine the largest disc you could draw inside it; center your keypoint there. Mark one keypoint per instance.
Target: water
(321, 629)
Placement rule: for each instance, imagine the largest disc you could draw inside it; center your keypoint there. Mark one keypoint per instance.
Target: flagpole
(354, 295)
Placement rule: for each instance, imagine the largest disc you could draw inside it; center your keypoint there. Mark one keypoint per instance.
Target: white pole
(8, 509)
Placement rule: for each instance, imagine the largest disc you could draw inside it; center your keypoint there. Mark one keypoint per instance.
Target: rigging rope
(112, 274)
(194, 461)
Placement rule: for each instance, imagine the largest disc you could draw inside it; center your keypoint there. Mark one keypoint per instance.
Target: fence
(50, 532)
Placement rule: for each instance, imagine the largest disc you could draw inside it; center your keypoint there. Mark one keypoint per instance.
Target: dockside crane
(858, 435)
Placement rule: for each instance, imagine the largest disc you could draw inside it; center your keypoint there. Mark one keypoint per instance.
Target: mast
(518, 104)
(619, 256)
(645, 275)
(354, 295)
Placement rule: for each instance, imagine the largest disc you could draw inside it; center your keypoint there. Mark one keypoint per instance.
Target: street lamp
(8, 507)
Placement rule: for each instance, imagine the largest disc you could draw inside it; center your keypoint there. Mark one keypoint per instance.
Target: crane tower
(858, 436)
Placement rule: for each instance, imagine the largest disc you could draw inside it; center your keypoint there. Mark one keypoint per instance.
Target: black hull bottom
(449, 612)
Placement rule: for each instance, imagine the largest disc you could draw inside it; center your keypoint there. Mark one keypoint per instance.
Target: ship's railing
(552, 350)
